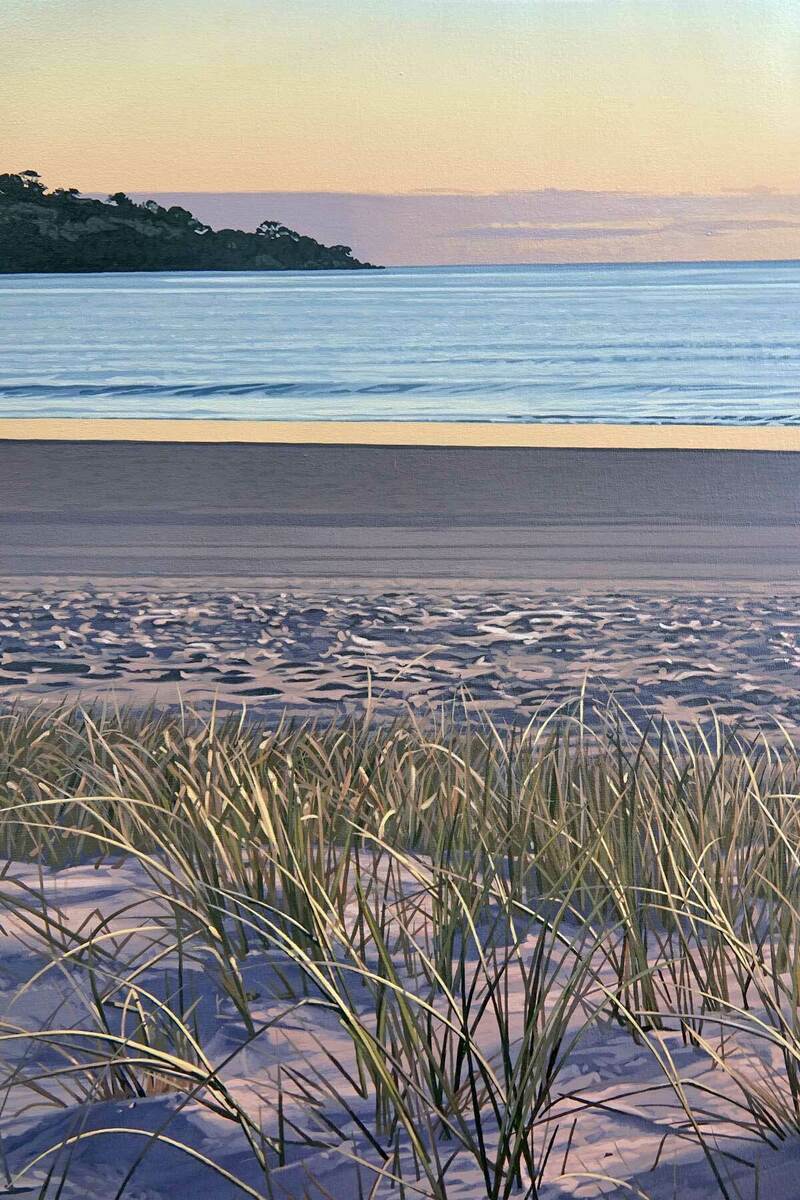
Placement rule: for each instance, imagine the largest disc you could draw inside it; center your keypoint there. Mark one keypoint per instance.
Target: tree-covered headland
(61, 230)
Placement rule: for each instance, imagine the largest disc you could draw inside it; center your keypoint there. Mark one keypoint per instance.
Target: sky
(427, 130)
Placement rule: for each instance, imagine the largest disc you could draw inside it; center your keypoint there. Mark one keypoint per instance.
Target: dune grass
(448, 912)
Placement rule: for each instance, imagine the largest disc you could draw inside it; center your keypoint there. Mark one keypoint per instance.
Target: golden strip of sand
(406, 433)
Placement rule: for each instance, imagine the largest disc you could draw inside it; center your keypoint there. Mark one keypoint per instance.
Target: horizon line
(600, 262)
(578, 264)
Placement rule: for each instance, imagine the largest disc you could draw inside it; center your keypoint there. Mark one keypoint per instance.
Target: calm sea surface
(716, 343)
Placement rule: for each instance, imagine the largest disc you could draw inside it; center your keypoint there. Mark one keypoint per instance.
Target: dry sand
(617, 1127)
(328, 653)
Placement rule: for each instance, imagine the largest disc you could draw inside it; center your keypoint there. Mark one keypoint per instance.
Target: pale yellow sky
(394, 96)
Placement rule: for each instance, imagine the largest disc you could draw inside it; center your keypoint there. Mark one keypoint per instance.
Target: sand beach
(318, 578)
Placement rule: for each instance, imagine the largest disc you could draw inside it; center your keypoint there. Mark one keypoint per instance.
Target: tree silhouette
(33, 182)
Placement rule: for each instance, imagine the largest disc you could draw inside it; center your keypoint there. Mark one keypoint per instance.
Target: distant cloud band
(549, 225)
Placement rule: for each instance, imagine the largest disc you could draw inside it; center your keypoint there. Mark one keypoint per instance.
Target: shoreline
(478, 434)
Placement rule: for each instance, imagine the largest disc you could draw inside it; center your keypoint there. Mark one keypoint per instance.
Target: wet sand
(271, 514)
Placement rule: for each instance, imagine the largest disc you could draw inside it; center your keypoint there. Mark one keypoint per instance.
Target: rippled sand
(325, 653)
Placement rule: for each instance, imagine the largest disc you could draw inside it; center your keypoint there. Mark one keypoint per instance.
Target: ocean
(715, 343)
